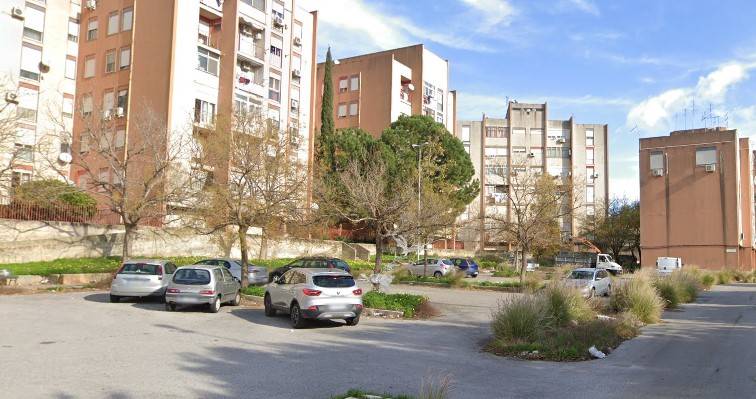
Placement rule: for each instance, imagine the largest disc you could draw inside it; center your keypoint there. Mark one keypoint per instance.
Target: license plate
(339, 307)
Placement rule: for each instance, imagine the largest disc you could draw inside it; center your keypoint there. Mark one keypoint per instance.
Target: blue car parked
(466, 265)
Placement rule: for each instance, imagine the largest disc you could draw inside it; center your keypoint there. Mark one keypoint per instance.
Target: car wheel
(352, 321)
(237, 299)
(297, 321)
(170, 307)
(269, 310)
(437, 274)
(215, 305)
(115, 298)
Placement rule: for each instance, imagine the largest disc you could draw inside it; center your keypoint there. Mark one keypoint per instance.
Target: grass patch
(506, 272)
(668, 291)
(638, 297)
(407, 303)
(457, 280)
(356, 393)
(254, 290)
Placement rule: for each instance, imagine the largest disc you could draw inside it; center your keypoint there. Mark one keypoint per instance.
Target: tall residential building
(527, 141)
(697, 199)
(194, 61)
(39, 40)
(373, 90)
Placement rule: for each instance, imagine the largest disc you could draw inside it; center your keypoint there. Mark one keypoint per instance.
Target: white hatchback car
(141, 278)
(322, 294)
(590, 281)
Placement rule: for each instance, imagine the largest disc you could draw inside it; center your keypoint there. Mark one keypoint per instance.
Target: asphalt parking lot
(79, 345)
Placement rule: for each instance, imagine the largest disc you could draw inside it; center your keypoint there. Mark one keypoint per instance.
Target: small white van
(666, 265)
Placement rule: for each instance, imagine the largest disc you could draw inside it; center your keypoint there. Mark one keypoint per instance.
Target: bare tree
(257, 179)
(536, 203)
(11, 116)
(141, 177)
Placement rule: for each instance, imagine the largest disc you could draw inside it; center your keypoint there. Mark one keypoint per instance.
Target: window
(656, 160)
(84, 143)
(590, 194)
(203, 33)
(113, 23)
(589, 156)
(518, 150)
(706, 156)
(274, 116)
(68, 107)
(65, 147)
(496, 132)
(86, 105)
(73, 30)
(24, 152)
(204, 112)
(103, 176)
(123, 100)
(92, 29)
(208, 61)
(34, 23)
(127, 18)
(120, 138)
(342, 110)
(110, 61)
(274, 89)
(590, 210)
(258, 4)
(275, 56)
(20, 178)
(465, 133)
(27, 104)
(518, 131)
(354, 83)
(70, 68)
(588, 136)
(244, 104)
(30, 59)
(108, 101)
(589, 172)
(353, 109)
(343, 84)
(89, 67)
(125, 59)
(557, 152)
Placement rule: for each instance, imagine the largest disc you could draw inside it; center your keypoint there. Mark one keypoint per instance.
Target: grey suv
(322, 294)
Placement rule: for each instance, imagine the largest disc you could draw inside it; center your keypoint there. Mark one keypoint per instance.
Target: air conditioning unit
(531, 155)
(278, 21)
(710, 168)
(18, 13)
(245, 67)
(294, 105)
(594, 176)
(295, 73)
(247, 30)
(657, 172)
(258, 36)
(560, 140)
(91, 5)
(119, 112)
(107, 114)
(11, 97)
(65, 157)
(44, 66)
(297, 41)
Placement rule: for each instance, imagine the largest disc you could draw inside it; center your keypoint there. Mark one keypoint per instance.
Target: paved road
(78, 345)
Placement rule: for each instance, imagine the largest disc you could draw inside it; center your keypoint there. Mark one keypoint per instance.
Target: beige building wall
(40, 48)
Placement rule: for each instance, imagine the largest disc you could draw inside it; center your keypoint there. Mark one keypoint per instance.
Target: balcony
(250, 79)
(211, 8)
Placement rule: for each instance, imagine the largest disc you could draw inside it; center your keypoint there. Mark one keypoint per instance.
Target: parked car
(531, 265)
(141, 278)
(307, 294)
(255, 274)
(210, 285)
(666, 265)
(311, 262)
(435, 267)
(466, 265)
(591, 282)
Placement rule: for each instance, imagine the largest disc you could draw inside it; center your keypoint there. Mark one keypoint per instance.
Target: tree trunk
(378, 258)
(523, 265)
(425, 258)
(244, 255)
(129, 230)
(263, 245)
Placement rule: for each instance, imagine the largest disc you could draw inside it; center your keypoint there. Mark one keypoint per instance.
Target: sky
(644, 67)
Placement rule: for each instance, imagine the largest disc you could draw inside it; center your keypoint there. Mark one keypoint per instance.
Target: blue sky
(635, 65)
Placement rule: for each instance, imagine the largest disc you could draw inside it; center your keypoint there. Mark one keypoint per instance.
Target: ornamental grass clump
(638, 297)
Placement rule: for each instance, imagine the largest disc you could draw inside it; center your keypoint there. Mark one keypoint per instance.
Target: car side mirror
(275, 279)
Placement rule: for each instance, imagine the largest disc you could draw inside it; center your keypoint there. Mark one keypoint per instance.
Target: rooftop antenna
(693, 114)
(635, 128)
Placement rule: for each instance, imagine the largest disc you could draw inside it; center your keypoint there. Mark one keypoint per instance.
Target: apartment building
(527, 141)
(194, 61)
(697, 199)
(373, 90)
(37, 87)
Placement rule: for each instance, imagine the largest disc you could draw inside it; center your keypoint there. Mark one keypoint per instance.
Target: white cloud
(628, 187)
(586, 6)
(657, 112)
(355, 27)
(493, 12)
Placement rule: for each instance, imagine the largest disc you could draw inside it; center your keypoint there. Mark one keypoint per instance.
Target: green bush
(708, 280)
(519, 318)
(254, 290)
(668, 291)
(407, 303)
(724, 277)
(638, 297)
(564, 304)
(688, 284)
(51, 193)
(506, 272)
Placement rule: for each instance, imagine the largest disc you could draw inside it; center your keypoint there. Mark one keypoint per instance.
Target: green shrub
(254, 290)
(627, 325)
(564, 304)
(688, 284)
(519, 318)
(724, 277)
(53, 194)
(638, 297)
(669, 292)
(506, 272)
(707, 280)
(532, 282)
(407, 303)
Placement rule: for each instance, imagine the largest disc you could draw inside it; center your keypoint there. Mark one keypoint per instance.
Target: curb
(470, 287)
(370, 312)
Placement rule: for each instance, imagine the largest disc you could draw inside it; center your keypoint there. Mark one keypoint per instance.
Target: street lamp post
(419, 177)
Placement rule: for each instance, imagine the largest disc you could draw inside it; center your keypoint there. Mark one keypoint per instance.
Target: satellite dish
(411, 87)
(65, 157)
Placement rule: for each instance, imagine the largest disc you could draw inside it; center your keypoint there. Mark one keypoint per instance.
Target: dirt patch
(10, 290)
(426, 311)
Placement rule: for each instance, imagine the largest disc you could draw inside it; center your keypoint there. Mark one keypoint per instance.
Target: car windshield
(192, 277)
(140, 268)
(581, 275)
(333, 281)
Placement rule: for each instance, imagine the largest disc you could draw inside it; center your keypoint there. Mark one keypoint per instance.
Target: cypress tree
(325, 147)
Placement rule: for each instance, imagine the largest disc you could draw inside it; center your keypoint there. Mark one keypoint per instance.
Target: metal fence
(55, 212)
